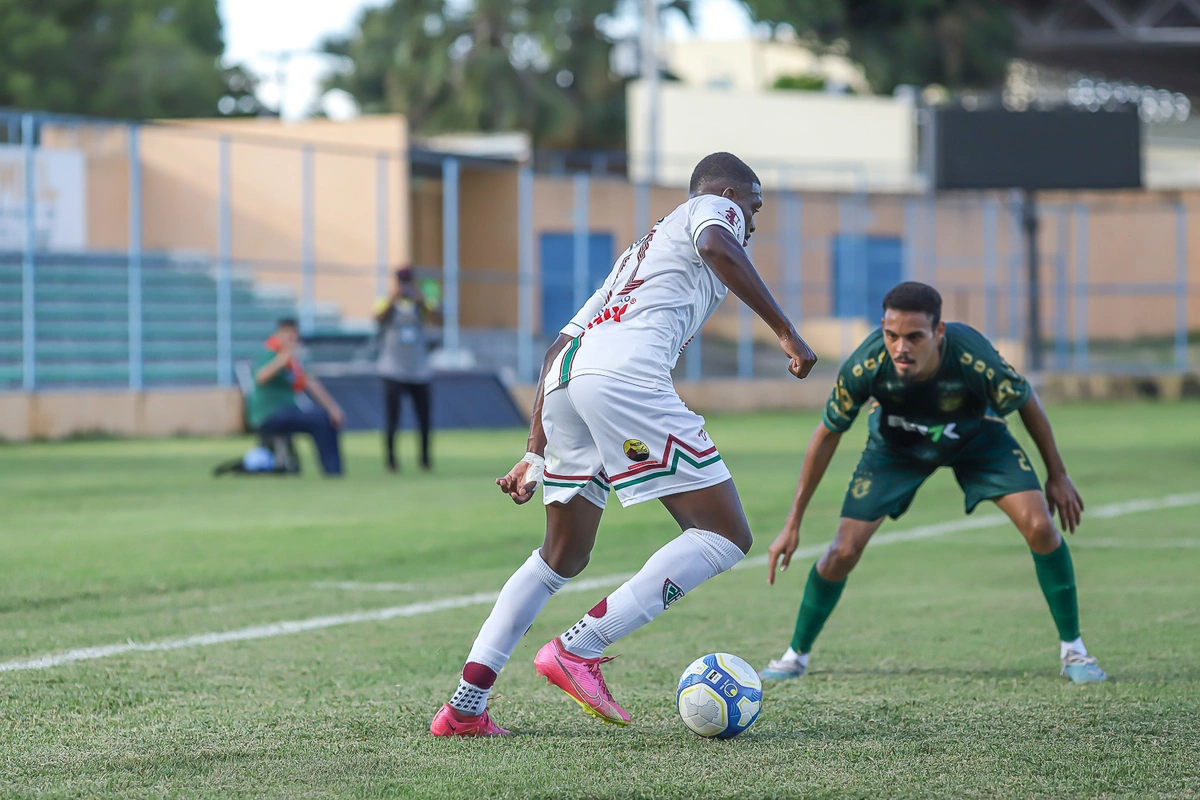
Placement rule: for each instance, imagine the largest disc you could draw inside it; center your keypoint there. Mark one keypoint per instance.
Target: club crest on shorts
(635, 450)
(671, 593)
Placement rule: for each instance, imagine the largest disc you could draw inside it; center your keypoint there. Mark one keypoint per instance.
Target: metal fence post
(991, 299)
(793, 254)
(1014, 266)
(224, 265)
(580, 271)
(308, 312)
(745, 329)
(909, 255)
(1060, 289)
(641, 210)
(1181, 287)
(382, 244)
(135, 259)
(450, 252)
(1081, 288)
(929, 262)
(525, 367)
(28, 332)
(693, 357)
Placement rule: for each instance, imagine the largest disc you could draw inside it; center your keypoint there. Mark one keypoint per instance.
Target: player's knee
(565, 563)
(842, 555)
(1040, 533)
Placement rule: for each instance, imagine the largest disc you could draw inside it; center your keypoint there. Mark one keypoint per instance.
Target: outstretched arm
(1061, 494)
(821, 448)
(517, 483)
(726, 257)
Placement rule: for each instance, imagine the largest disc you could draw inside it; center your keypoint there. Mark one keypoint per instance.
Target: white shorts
(644, 443)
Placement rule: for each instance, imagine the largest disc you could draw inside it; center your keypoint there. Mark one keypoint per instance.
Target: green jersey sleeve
(854, 384)
(987, 371)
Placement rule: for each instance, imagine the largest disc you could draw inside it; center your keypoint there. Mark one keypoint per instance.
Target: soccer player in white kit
(606, 416)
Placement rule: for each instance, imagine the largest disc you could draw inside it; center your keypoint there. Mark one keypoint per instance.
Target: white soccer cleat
(1082, 669)
(782, 669)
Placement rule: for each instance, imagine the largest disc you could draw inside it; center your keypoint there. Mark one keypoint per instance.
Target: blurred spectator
(403, 362)
(272, 408)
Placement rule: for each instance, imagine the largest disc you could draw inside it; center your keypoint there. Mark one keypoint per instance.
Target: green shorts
(991, 464)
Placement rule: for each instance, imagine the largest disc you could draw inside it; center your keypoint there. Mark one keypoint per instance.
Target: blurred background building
(163, 202)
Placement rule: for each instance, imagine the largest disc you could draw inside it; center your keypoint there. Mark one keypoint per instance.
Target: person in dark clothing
(272, 408)
(403, 364)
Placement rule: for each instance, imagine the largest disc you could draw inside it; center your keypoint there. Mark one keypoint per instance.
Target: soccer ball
(719, 695)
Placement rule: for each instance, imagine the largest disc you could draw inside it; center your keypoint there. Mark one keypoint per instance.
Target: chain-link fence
(158, 255)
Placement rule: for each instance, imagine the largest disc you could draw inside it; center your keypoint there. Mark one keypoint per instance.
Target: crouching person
(272, 408)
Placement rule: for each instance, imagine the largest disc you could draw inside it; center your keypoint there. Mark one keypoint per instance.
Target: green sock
(1056, 574)
(820, 598)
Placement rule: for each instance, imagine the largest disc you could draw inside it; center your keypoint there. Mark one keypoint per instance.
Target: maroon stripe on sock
(600, 609)
(479, 675)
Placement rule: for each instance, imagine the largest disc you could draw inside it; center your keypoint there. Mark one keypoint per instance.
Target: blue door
(865, 268)
(558, 274)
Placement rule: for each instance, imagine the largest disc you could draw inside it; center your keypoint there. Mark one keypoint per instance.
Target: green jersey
(271, 396)
(931, 419)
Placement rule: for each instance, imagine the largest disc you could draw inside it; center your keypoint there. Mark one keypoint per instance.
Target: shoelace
(594, 669)
(1077, 660)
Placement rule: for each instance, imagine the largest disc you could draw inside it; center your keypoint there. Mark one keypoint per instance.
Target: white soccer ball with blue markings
(719, 696)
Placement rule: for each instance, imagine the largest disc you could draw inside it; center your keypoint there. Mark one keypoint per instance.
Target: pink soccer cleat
(580, 678)
(449, 721)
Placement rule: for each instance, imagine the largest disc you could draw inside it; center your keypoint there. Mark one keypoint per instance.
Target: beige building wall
(832, 142)
(754, 64)
(181, 188)
(1131, 239)
(167, 412)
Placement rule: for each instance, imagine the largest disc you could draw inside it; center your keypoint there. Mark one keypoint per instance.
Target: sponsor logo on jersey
(951, 402)
(934, 432)
(613, 312)
(636, 450)
(671, 593)
(731, 215)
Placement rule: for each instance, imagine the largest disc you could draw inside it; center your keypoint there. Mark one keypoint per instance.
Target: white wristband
(537, 468)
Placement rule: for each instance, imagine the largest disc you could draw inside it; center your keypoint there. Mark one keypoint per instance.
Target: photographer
(402, 360)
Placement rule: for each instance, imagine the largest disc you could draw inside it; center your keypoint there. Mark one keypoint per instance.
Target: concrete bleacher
(82, 323)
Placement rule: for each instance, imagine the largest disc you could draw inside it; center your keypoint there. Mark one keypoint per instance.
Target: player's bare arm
(727, 258)
(326, 401)
(1061, 494)
(821, 447)
(516, 484)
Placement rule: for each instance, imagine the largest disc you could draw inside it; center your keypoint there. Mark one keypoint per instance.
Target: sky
(258, 31)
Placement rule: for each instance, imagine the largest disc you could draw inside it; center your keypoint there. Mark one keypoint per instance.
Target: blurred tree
(117, 58)
(544, 66)
(957, 43)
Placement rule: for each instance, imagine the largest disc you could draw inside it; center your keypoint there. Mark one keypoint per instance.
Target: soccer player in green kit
(941, 393)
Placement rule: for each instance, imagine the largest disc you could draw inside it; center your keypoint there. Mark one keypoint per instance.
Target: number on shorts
(1023, 460)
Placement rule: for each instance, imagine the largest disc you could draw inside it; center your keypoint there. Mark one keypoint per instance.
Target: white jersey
(657, 297)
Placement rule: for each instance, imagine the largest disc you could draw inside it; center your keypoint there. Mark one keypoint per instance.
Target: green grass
(936, 676)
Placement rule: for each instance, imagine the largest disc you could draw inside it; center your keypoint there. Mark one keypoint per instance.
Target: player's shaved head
(719, 171)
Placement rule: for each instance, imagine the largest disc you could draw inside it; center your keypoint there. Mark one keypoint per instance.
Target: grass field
(936, 676)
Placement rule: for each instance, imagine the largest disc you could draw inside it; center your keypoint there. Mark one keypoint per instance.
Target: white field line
(487, 598)
(357, 586)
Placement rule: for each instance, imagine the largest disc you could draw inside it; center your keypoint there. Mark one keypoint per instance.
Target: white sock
(1072, 647)
(521, 600)
(792, 655)
(679, 567)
